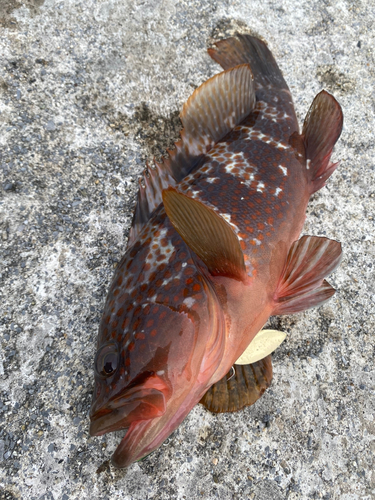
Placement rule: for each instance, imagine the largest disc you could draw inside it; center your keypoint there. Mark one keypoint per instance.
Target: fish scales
(213, 252)
(163, 273)
(248, 176)
(242, 176)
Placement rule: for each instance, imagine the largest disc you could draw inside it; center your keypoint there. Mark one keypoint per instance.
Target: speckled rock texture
(88, 92)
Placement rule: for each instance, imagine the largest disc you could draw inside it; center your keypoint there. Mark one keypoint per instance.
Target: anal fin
(212, 111)
(233, 393)
(301, 285)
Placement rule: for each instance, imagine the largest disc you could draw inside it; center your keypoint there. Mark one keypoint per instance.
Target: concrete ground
(90, 90)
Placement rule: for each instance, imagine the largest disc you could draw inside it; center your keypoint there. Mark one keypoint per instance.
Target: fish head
(149, 376)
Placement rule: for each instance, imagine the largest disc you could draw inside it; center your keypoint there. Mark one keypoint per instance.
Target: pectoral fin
(207, 234)
(321, 130)
(233, 393)
(301, 286)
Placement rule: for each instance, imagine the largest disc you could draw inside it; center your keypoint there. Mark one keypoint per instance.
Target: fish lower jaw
(129, 451)
(145, 436)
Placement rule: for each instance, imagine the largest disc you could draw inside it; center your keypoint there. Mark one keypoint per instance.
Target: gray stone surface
(90, 90)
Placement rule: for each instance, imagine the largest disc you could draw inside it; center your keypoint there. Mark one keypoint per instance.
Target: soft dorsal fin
(243, 388)
(301, 285)
(321, 129)
(214, 108)
(207, 234)
(155, 179)
(249, 49)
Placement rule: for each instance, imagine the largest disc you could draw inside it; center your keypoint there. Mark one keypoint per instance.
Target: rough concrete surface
(90, 90)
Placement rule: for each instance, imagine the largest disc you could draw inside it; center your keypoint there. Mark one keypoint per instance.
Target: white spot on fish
(228, 167)
(284, 170)
(160, 372)
(308, 163)
(280, 145)
(277, 191)
(256, 241)
(189, 301)
(228, 219)
(195, 194)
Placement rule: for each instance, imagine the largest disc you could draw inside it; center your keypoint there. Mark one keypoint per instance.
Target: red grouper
(213, 252)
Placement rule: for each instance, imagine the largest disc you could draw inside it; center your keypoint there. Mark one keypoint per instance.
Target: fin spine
(212, 111)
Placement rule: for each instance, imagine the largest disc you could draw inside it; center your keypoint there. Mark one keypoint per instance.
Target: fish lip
(110, 418)
(101, 423)
(114, 416)
(107, 419)
(131, 447)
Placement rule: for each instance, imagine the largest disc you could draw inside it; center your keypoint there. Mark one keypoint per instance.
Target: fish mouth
(129, 449)
(122, 411)
(133, 445)
(146, 420)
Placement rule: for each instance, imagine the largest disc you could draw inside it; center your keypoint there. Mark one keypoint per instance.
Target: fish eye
(106, 360)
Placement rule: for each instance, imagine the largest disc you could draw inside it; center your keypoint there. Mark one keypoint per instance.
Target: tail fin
(248, 49)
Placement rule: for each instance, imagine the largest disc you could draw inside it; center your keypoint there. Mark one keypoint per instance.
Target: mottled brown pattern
(171, 329)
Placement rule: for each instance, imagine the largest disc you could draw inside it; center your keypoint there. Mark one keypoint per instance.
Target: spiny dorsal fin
(301, 286)
(207, 234)
(243, 388)
(214, 108)
(249, 49)
(155, 180)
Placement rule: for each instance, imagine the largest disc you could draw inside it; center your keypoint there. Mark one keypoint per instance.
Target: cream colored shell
(265, 342)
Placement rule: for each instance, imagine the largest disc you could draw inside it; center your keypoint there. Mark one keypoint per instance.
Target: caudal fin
(244, 49)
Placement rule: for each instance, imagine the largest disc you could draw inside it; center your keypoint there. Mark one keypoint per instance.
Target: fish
(213, 252)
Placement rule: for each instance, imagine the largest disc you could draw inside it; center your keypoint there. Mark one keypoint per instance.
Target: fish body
(213, 252)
